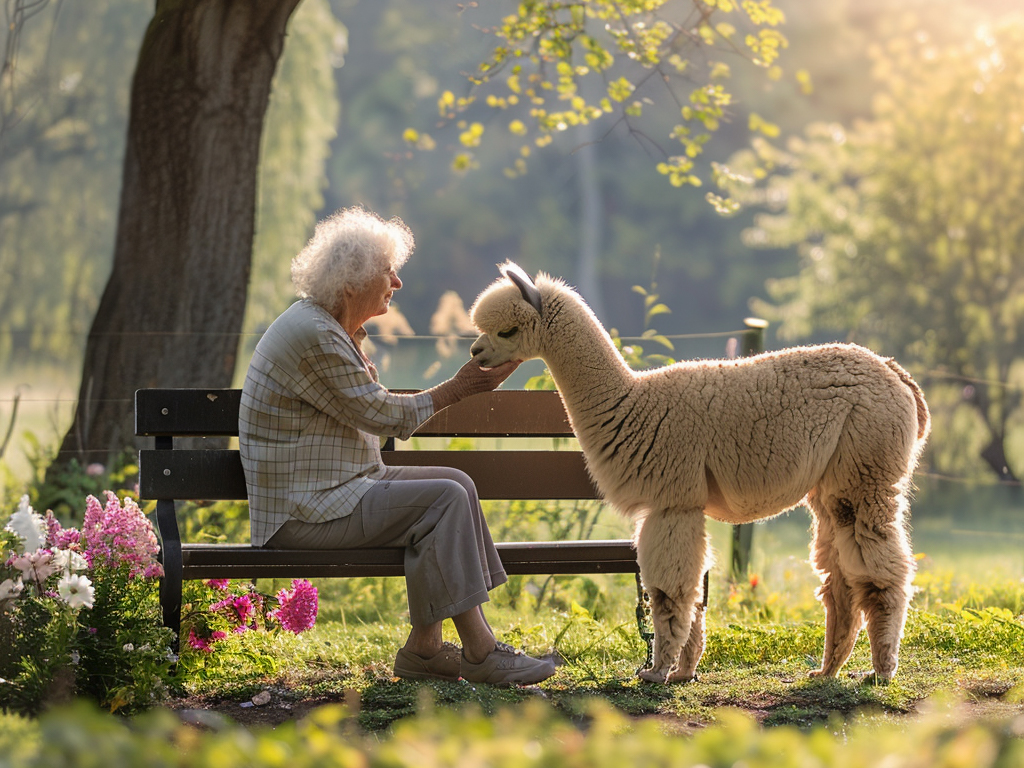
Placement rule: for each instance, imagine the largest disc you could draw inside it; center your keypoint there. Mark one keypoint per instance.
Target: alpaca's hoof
(681, 677)
(871, 678)
(652, 676)
(821, 673)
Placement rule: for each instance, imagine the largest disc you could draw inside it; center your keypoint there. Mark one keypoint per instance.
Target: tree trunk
(994, 455)
(172, 308)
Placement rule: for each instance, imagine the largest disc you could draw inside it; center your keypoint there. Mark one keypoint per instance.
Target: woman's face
(375, 297)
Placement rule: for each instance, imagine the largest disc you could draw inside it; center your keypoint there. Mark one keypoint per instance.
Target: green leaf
(658, 309)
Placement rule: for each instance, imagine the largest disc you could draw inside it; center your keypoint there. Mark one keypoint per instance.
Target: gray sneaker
(507, 666)
(444, 665)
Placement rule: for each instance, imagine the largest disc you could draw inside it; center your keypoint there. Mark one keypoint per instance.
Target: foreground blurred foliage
(528, 735)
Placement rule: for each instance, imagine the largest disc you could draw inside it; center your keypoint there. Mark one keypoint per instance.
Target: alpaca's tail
(924, 419)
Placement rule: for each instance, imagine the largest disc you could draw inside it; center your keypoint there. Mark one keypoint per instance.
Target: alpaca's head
(508, 315)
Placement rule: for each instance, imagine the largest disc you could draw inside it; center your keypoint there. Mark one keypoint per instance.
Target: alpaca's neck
(580, 354)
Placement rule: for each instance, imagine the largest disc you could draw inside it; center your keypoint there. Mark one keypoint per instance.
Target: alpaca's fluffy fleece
(836, 427)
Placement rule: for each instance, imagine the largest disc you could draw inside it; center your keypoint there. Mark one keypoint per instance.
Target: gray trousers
(434, 512)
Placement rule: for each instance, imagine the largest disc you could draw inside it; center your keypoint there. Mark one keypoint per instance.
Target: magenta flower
(58, 537)
(219, 584)
(297, 607)
(113, 536)
(198, 643)
(238, 610)
(204, 644)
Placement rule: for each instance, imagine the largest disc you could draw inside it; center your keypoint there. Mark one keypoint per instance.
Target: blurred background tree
(63, 105)
(909, 227)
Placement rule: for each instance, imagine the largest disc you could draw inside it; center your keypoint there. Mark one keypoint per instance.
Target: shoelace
(506, 648)
(450, 650)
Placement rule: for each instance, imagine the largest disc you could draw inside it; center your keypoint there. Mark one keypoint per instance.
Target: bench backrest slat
(501, 414)
(214, 413)
(207, 474)
(187, 412)
(217, 474)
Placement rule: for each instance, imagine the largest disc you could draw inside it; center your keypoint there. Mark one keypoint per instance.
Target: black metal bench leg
(643, 615)
(170, 584)
(643, 621)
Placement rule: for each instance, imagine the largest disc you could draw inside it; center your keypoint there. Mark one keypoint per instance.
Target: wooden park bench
(170, 473)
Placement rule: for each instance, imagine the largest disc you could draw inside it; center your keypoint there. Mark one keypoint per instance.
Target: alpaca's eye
(509, 333)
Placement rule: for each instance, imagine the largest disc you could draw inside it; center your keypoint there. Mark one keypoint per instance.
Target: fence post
(743, 535)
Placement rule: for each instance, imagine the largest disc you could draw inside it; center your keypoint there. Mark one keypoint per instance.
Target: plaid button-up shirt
(310, 422)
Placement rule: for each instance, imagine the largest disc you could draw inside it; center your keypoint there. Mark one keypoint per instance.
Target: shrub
(79, 612)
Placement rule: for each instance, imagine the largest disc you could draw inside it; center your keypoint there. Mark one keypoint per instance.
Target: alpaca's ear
(524, 283)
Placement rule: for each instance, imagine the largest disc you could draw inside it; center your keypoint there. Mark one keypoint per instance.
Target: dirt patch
(268, 708)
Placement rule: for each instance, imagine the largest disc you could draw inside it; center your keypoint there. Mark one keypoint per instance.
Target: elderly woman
(310, 423)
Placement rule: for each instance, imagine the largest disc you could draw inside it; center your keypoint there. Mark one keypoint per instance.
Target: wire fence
(408, 361)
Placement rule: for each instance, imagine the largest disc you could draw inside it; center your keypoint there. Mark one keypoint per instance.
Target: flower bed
(80, 612)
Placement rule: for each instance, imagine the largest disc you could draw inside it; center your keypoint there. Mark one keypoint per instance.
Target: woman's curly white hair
(347, 249)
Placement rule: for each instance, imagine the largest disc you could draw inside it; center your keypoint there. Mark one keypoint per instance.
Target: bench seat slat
(210, 561)
(213, 474)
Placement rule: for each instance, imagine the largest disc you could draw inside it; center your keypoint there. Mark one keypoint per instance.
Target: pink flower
(196, 642)
(238, 610)
(153, 571)
(37, 566)
(204, 644)
(58, 537)
(297, 607)
(220, 584)
(113, 536)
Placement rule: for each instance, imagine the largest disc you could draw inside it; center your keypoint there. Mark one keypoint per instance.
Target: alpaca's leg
(886, 611)
(689, 657)
(864, 488)
(884, 594)
(671, 552)
(842, 619)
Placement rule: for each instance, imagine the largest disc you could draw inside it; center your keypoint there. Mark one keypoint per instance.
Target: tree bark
(173, 306)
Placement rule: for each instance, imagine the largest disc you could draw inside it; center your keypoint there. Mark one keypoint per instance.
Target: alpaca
(835, 427)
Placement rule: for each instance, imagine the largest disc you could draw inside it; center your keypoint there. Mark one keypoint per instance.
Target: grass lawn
(963, 641)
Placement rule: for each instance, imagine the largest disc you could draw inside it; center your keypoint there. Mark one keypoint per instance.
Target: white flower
(27, 526)
(10, 589)
(75, 657)
(76, 590)
(69, 561)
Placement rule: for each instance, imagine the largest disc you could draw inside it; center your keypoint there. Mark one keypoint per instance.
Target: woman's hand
(484, 379)
(471, 379)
